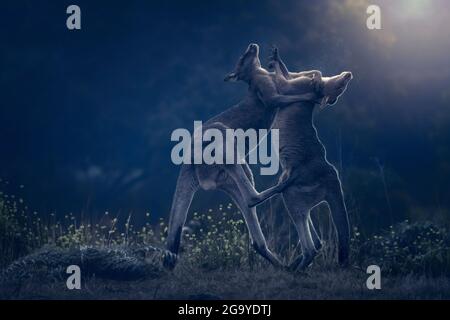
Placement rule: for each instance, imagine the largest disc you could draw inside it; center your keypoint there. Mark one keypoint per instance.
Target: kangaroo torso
(301, 151)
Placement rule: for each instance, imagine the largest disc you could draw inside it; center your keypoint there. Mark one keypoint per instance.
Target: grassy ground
(193, 283)
(218, 262)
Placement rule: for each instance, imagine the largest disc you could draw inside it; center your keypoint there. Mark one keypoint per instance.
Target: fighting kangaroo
(237, 181)
(256, 111)
(312, 178)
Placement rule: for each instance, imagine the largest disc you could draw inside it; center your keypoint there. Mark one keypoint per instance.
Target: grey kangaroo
(257, 111)
(312, 178)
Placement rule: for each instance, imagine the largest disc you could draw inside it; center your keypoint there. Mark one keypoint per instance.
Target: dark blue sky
(86, 115)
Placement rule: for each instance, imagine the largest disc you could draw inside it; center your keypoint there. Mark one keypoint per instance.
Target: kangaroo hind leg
(245, 184)
(187, 185)
(299, 210)
(283, 183)
(254, 228)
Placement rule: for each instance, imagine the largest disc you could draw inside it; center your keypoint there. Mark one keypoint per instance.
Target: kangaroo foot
(318, 245)
(301, 263)
(170, 260)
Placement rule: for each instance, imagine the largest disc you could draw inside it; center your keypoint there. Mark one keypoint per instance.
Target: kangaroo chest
(299, 143)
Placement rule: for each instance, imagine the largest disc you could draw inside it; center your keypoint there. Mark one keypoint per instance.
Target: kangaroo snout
(253, 47)
(246, 63)
(347, 75)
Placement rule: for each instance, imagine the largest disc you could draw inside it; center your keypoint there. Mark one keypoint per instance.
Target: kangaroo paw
(274, 55)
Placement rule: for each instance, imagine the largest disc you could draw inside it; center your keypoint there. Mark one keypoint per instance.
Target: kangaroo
(313, 179)
(257, 110)
(291, 83)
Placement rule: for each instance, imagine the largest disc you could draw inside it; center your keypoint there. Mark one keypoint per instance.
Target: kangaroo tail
(187, 185)
(335, 200)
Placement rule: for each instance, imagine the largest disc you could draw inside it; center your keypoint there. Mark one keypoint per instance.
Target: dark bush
(419, 248)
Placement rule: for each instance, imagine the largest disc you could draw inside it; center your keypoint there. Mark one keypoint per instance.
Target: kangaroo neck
(257, 71)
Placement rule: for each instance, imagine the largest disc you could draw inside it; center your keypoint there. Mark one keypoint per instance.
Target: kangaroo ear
(232, 76)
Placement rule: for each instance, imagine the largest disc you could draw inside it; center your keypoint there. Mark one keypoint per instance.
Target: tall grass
(22, 231)
(218, 238)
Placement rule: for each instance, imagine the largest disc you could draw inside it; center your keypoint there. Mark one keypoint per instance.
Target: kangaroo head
(246, 64)
(335, 86)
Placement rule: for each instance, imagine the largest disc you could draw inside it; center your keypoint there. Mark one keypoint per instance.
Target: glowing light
(416, 9)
